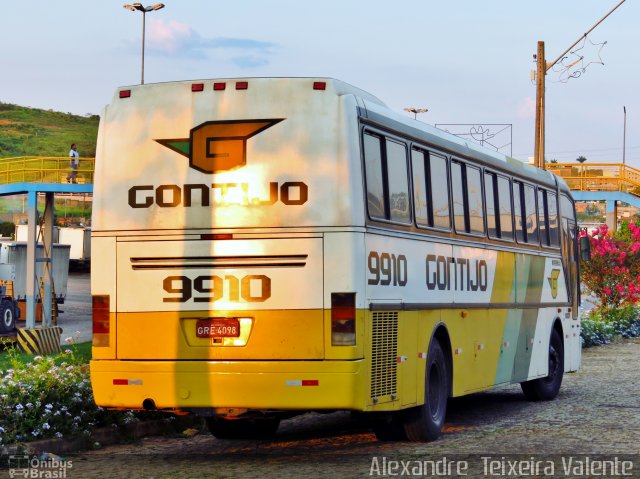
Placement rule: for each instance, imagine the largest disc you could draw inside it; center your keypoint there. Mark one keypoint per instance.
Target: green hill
(34, 132)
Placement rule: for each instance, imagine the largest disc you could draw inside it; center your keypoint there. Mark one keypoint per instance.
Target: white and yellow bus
(264, 247)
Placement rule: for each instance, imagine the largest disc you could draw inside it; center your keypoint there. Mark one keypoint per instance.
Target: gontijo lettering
(169, 196)
(459, 274)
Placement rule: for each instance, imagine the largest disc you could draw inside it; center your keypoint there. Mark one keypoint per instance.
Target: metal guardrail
(598, 176)
(44, 169)
(579, 177)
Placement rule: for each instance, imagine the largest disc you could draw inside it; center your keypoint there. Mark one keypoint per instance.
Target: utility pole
(542, 67)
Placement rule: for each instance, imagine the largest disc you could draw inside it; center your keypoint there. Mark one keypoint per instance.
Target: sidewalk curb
(105, 436)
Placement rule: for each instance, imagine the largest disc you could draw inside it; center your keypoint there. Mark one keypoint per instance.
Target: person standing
(74, 159)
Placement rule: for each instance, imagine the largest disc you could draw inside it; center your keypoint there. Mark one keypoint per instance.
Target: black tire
(547, 388)
(389, 427)
(425, 423)
(262, 428)
(7, 317)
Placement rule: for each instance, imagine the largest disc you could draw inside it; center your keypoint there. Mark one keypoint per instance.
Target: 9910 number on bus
(387, 269)
(252, 288)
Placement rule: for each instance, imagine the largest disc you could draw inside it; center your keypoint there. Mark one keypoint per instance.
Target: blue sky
(466, 61)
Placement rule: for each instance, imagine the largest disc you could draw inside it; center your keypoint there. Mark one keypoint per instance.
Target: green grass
(35, 132)
(81, 351)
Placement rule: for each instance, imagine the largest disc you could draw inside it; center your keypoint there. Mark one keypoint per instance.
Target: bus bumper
(282, 385)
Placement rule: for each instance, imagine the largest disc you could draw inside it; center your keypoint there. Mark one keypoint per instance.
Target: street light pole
(542, 68)
(138, 7)
(415, 111)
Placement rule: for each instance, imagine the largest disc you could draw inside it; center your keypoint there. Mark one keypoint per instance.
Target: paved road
(597, 412)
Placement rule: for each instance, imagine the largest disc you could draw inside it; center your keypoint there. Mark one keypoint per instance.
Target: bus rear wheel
(425, 423)
(258, 428)
(547, 388)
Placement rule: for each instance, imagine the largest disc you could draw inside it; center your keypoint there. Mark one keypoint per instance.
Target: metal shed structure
(33, 216)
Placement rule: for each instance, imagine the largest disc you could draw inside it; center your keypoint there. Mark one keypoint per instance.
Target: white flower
(48, 406)
(58, 434)
(46, 426)
(68, 340)
(19, 407)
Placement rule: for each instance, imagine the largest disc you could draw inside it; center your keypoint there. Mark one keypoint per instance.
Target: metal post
(612, 215)
(32, 245)
(47, 270)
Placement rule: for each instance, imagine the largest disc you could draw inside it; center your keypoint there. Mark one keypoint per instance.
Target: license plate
(218, 328)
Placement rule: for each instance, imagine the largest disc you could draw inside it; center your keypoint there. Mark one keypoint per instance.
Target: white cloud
(178, 39)
(169, 37)
(526, 108)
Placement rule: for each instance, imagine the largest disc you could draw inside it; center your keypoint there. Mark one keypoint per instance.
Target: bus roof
(378, 112)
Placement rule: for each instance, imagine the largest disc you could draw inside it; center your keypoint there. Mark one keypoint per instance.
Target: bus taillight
(343, 319)
(101, 325)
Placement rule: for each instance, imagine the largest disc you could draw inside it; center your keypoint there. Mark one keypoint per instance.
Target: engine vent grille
(384, 352)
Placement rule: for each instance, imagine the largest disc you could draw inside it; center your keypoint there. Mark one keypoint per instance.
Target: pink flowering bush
(613, 273)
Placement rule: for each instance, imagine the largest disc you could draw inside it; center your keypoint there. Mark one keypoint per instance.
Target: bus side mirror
(585, 249)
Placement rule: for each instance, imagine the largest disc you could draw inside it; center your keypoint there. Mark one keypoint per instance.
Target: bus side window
(552, 206)
(374, 176)
(491, 200)
(387, 179)
(468, 212)
(543, 217)
(518, 211)
(459, 198)
(421, 193)
(567, 224)
(531, 214)
(474, 190)
(398, 187)
(430, 190)
(548, 218)
(439, 179)
(505, 211)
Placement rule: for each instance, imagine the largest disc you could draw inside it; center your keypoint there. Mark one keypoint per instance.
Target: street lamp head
(157, 6)
(134, 7)
(416, 110)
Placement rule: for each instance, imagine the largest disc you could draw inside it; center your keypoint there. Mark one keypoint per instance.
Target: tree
(581, 159)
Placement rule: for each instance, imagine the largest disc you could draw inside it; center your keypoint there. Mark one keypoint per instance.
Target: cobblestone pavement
(597, 412)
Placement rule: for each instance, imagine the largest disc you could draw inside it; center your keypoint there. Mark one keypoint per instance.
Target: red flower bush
(613, 273)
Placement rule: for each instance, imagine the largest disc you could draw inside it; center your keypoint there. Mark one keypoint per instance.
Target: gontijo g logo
(216, 146)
